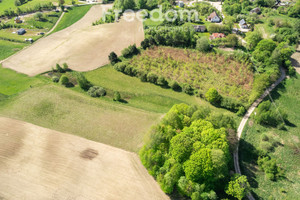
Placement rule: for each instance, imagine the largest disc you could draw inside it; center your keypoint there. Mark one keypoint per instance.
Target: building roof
(217, 35)
(212, 15)
(242, 22)
(256, 10)
(199, 28)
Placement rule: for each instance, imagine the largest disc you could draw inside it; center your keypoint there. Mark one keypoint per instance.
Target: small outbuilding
(199, 28)
(181, 4)
(21, 31)
(18, 20)
(214, 17)
(243, 24)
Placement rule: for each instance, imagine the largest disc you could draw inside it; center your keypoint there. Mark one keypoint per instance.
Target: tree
(61, 3)
(181, 147)
(263, 50)
(113, 58)
(83, 82)
(232, 40)
(64, 80)
(238, 187)
(175, 86)
(203, 44)
(117, 96)
(38, 16)
(252, 39)
(162, 81)
(59, 68)
(96, 91)
(65, 67)
(213, 96)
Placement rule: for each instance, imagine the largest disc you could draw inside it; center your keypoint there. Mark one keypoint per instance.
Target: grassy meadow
(202, 71)
(8, 48)
(286, 151)
(73, 15)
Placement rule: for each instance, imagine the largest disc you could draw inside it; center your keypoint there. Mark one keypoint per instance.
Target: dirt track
(38, 163)
(83, 46)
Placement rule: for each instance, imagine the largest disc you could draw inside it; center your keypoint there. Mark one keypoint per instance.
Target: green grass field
(73, 15)
(8, 48)
(10, 4)
(141, 95)
(287, 153)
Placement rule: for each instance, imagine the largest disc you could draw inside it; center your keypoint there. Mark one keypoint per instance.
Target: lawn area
(8, 48)
(12, 83)
(230, 77)
(155, 22)
(73, 15)
(286, 152)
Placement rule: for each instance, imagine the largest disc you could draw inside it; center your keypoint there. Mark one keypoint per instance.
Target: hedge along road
(245, 119)
(82, 46)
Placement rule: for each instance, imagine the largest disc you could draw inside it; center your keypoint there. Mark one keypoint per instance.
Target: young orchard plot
(230, 77)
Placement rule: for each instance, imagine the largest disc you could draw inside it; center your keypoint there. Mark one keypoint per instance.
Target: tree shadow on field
(248, 156)
(123, 101)
(275, 93)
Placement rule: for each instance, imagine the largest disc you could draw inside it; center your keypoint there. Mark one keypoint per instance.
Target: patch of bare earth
(38, 163)
(83, 46)
(296, 59)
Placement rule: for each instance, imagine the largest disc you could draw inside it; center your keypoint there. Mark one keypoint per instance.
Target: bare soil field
(296, 59)
(37, 163)
(83, 46)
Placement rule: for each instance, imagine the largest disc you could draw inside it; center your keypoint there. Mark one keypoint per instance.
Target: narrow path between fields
(245, 119)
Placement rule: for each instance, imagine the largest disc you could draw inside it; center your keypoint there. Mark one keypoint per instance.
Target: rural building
(21, 31)
(256, 10)
(18, 20)
(181, 4)
(235, 31)
(217, 35)
(213, 17)
(199, 28)
(243, 24)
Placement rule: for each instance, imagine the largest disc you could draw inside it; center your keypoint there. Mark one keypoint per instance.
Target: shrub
(152, 78)
(55, 79)
(117, 96)
(145, 43)
(113, 58)
(96, 91)
(83, 82)
(128, 70)
(130, 51)
(143, 76)
(175, 86)
(59, 68)
(120, 66)
(213, 97)
(65, 67)
(162, 81)
(241, 111)
(188, 89)
(64, 80)
(230, 104)
(203, 44)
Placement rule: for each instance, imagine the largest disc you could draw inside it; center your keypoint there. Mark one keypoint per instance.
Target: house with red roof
(217, 35)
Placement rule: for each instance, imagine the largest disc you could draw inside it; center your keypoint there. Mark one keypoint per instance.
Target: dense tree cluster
(176, 37)
(188, 151)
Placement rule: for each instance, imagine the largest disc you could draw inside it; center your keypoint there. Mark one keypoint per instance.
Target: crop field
(285, 147)
(202, 71)
(38, 163)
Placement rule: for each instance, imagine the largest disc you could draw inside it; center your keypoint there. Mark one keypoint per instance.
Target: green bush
(117, 96)
(241, 111)
(130, 51)
(65, 67)
(83, 82)
(64, 80)
(152, 78)
(203, 44)
(120, 66)
(55, 79)
(175, 86)
(96, 91)
(162, 81)
(188, 89)
(113, 58)
(59, 69)
(213, 96)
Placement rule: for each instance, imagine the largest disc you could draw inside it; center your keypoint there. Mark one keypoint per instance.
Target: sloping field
(83, 46)
(38, 163)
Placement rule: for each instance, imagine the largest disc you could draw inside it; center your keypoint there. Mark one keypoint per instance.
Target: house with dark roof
(199, 28)
(21, 31)
(256, 10)
(243, 24)
(214, 17)
(216, 36)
